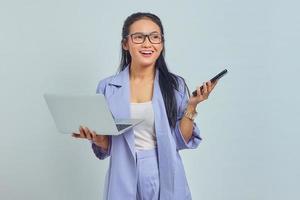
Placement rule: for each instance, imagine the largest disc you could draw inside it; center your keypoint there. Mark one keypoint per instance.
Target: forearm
(186, 124)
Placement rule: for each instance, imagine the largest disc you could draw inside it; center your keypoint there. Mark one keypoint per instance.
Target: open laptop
(69, 111)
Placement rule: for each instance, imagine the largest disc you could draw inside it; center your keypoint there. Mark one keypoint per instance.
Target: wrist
(102, 146)
(191, 107)
(190, 112)
(103, 143)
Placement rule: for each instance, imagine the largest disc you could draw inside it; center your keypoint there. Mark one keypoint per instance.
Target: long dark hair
(168, 81)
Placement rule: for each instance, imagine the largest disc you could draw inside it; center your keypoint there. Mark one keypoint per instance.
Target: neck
(138, 72)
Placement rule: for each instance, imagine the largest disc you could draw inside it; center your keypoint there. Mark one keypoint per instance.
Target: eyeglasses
(139, 38)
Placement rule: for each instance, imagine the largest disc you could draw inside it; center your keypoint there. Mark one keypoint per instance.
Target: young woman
(145, 162)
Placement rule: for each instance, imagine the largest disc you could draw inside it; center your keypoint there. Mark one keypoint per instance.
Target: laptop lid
(69, 111)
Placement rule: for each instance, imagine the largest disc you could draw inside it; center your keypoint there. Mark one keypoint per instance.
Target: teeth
(147, 52)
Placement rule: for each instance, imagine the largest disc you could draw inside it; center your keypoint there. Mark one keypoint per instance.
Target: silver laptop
(69, 111)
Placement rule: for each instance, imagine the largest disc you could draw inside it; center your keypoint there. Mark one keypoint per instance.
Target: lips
(146, 53)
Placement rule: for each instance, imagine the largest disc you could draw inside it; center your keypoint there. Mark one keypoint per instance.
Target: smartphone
(215, 78)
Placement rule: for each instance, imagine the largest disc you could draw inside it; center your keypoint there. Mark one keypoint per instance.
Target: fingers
(209, 86)
(204, 91)
(94, 136)
(88, 133)
(199, 89)
(76, 135)
(85, 133)
(82, 132)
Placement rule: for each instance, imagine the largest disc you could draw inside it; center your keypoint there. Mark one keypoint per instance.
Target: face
(146, 53)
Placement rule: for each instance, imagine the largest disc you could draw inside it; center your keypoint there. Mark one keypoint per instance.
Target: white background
(249, 125)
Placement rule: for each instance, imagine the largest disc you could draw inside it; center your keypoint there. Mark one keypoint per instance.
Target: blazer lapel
(163, 134)
(119, 102)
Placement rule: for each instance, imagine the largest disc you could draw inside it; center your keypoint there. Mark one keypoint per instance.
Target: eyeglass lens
(139, 38)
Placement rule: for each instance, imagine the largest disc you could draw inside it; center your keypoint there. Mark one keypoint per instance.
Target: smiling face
(146, 53)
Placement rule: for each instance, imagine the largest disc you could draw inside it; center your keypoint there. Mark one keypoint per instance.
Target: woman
(145, 162)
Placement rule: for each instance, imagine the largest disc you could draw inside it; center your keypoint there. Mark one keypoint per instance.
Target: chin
(144, 64)
(147, 63)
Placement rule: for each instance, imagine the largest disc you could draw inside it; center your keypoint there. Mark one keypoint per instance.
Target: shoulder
(101, 87)
(182, 87)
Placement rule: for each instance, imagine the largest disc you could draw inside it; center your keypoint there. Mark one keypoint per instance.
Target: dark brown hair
(168, 81)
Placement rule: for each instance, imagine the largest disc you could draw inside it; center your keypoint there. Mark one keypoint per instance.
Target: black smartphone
(215, 78)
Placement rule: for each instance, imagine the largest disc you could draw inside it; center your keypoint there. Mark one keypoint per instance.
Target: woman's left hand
(203, 94)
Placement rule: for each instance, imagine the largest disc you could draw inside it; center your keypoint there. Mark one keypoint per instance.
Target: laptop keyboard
(122, 126)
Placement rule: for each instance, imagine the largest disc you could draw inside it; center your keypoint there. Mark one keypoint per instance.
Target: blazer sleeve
(195, 138)
(99, 152)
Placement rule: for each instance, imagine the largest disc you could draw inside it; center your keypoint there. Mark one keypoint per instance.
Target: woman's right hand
(100, 140)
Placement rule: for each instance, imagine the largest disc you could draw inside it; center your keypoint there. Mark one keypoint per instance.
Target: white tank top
(144, 133)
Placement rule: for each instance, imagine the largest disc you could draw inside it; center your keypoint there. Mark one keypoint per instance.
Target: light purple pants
(148, 175)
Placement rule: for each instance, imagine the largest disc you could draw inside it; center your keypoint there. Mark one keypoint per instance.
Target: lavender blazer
(121, 177)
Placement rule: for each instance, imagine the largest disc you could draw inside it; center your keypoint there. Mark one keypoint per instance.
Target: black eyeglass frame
(146, 36)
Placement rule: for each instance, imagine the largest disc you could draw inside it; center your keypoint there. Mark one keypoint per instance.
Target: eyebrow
(144, 32)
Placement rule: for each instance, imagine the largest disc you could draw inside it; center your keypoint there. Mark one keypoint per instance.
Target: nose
(147, 41)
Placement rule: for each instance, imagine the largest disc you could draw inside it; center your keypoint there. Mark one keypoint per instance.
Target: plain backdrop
(249, 125)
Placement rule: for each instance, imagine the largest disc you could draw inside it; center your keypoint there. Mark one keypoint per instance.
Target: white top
(144, 133)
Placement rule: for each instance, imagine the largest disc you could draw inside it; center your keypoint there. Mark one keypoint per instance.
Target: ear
(125, 45)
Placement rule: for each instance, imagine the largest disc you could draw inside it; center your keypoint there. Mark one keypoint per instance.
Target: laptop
(69, 111)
